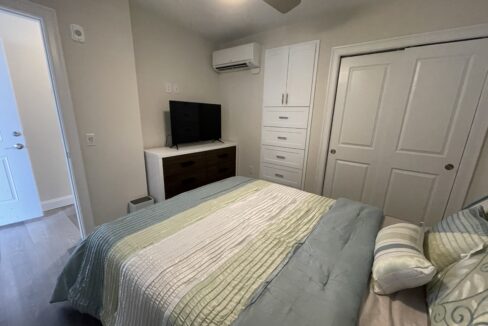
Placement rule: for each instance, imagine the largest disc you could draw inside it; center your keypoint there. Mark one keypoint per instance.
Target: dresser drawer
(183, 164)
(291, 117)
(221, 171)
(289, 157)
(175, 184)
(282, 175)
(221, 156)
(284, 137)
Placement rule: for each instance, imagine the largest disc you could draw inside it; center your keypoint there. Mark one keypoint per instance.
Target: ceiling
(226, 20)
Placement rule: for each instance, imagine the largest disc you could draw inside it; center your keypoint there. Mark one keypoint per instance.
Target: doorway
(400, 126)
(34, 177)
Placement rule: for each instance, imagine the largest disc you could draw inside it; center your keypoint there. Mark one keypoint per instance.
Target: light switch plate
(176, 88)
(168, 87)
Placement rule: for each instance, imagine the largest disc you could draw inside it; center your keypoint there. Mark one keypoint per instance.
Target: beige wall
(23, 42)
(167, 53)
(242, 92)
(103, 86)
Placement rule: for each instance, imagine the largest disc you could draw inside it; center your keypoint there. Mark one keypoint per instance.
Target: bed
(235, 252)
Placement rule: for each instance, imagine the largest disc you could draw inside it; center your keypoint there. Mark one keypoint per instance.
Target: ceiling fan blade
(283, 6)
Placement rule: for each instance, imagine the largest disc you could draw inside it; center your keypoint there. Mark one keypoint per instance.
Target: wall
(242, 92)
(23, 42)
(167, 53)
(479, 183)
(103, 86)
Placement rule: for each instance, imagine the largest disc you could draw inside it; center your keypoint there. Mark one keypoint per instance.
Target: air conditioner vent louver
(241, 57)
(232, 67)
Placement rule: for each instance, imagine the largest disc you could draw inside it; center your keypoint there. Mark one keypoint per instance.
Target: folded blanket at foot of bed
(240, 252)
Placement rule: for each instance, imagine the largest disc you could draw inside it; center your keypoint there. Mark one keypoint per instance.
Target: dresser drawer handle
(279, 175)
(187, 164)
(282, 138)
(283, 118)
(280, 157)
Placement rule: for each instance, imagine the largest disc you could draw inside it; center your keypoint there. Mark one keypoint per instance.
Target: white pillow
(399, 262)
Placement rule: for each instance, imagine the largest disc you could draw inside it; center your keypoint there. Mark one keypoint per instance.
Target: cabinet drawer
(218, 156)
(175, 185)
(292, 158)
(291, 117)
(285, 137)
(219, 172)
(183, 164)
(278, 174)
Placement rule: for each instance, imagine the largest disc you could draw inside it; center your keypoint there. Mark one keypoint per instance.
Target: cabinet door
(276, 65)
(301, 66)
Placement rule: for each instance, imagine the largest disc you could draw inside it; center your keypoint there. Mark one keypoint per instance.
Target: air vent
(233, 67)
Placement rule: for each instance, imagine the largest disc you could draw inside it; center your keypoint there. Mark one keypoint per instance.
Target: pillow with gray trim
(456, 237)
(399, 262)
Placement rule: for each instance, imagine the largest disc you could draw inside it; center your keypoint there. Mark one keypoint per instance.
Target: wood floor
(32, 254)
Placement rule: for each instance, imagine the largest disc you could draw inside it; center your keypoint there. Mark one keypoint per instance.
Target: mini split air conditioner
(241, 57)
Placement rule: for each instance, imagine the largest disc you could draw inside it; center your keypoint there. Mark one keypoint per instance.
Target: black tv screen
(192, 122)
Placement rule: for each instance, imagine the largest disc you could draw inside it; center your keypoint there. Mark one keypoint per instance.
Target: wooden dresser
(171, 171)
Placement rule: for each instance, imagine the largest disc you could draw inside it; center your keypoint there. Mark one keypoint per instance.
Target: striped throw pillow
(456, 237)
(399, 262)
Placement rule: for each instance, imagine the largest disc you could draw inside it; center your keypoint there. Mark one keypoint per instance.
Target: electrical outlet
(90, 139)
(168, 87)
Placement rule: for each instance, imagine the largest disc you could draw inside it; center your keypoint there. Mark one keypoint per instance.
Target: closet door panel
(300, 74)
(276, 70)
(364, 92)
(429, 127)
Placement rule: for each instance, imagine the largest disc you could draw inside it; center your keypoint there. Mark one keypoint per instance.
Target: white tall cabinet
(289, 82)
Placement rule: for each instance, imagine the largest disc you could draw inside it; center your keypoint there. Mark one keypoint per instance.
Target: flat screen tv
(192, 122)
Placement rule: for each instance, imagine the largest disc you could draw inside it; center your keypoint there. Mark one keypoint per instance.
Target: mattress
(236, 252)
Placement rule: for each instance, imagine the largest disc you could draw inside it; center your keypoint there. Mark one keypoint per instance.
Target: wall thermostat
(77, 33)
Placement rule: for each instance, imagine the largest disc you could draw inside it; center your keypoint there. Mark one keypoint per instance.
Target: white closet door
(275, 76)
(429, 127)
(421, 129)
(363, 94)
(300, 74)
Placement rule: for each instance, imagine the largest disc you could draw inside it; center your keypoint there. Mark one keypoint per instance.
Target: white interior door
(430, 102)
(19, 199)
(300, 74)
(275, 76)
(363, 95)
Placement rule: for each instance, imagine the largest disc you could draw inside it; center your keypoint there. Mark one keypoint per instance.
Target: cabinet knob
(332, 151)
(449, 167)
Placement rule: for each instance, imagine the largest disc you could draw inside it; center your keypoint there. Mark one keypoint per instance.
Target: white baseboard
(57, 202)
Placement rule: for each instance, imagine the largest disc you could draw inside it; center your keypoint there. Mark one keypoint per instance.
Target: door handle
(286, 98)
(17, 146)
(449, 167)
(332, 151)
(282, 98)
